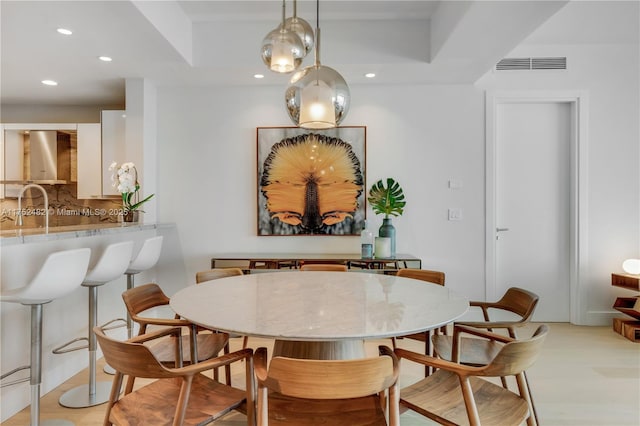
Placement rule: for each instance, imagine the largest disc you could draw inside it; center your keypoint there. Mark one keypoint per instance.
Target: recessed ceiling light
(258, 76)
(369, 75)
(65, 31)
(50, 82)
(105, 58)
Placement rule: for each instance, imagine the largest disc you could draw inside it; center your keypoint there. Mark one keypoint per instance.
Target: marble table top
(319, 306)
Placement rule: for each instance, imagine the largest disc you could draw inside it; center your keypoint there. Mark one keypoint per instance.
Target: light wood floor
(585, 376)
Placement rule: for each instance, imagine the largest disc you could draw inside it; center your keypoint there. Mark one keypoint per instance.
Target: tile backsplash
(65, 208)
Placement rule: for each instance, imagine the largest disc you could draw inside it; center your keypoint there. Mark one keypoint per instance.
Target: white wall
(422, 136)
(610, 75)
(141, 139)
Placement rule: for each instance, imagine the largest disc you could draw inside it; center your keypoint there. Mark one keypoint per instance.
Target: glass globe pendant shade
(316, 105)
(302, 29)
(317, 98)
(282, 50)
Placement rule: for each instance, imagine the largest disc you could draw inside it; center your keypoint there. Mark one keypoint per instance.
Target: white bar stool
(111, 265)
(146, 258)
(61, 273)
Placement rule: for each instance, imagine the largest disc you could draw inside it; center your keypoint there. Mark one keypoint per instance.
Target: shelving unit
(629, 328)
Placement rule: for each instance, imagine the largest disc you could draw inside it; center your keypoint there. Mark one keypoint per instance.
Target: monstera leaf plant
(387, 200)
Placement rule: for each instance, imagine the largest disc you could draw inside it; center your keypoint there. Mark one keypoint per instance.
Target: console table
(252, 261)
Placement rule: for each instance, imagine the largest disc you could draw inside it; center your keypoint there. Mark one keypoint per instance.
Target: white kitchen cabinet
(13, 160)
(113, 146)
(14, 150)
(2, 157)
(89, 161)
(99, 145)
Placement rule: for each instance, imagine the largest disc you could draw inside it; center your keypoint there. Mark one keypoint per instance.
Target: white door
(532, 211)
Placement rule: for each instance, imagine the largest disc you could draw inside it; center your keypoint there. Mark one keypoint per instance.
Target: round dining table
(317, 314)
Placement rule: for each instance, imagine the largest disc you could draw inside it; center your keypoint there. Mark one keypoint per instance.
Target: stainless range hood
(43, 155)
(38, 158)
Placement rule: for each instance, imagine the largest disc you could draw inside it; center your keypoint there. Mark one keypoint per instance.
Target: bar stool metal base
(56, 422)
(79, 397)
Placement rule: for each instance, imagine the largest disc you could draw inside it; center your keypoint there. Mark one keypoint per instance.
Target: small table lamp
(631, 266)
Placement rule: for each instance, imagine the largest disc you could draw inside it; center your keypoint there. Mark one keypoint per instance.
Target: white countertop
(30, 235)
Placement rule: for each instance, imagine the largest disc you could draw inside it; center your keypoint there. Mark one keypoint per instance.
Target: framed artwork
(311, 182)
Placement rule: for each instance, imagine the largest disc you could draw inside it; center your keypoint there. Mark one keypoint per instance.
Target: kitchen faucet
(46, 205)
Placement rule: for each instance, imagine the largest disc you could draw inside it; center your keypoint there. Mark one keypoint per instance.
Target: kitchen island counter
(33, 235)
(22, 254)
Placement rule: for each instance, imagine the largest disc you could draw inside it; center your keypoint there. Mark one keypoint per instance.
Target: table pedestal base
(339, 349)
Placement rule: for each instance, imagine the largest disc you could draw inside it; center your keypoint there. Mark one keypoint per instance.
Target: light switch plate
(455, 213)
(455, 184)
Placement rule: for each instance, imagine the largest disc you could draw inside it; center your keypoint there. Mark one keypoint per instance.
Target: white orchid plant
(125, 179)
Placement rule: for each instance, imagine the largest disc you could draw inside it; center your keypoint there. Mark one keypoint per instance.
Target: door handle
(500, 230)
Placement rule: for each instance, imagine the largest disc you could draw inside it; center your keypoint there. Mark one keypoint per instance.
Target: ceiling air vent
(511, 64)
(549, 63)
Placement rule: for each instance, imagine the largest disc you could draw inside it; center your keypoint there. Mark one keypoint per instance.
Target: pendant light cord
(317, 49)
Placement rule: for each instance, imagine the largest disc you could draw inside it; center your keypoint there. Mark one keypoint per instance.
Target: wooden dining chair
(434, 277)
(516, 300)
(478, 352)
(214, 274)
(142, 298)
(458, 394)
(305, 392)
(180, 395)
(324, 267)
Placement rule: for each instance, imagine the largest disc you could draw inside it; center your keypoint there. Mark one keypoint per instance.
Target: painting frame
(350, 143)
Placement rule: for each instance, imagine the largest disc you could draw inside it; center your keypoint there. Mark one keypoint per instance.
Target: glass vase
(388, 230)
(130, 216)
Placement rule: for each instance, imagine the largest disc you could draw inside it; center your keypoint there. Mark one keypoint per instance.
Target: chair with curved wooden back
(479, 352)
(214, 274)
(181, 395)
(517, 301)
(142, 298)
(457, 394)
(434, 277)
(324, 267)
(305, 392)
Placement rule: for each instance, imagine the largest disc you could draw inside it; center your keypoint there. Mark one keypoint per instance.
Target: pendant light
(282, 50)
(301, 27)
(317, 97)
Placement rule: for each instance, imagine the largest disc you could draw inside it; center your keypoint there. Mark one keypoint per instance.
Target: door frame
(578, 100)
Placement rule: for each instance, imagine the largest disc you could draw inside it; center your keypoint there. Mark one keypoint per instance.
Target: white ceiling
(218, 42)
